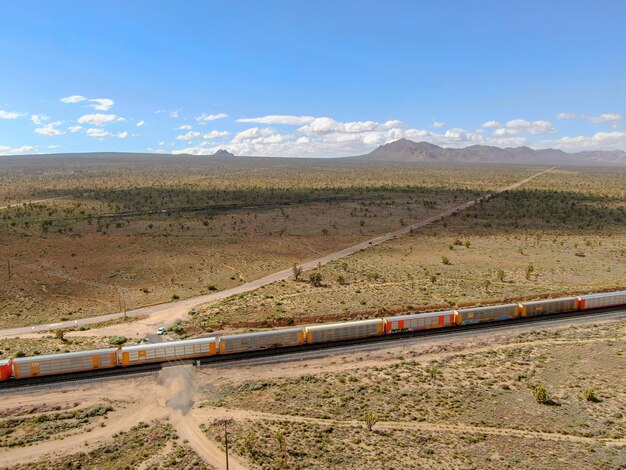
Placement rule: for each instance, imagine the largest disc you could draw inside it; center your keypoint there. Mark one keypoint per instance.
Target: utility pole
(226, 441)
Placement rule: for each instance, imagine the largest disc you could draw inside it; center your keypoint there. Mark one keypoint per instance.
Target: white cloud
(326, 137)
(184, 127)
(6, 150)
(279, 119)
(73, 129)
(101, 133)
(99, 119)
(598, 141)
(140, 123)
(101, 104)
(203, 118)
(438, 124)
(610, 117)
(216, 135)
(10, 115)
(522, 126)
(326, 125)
(174, 114)
(39, 119)
(189, 135)
(570, 116)
(614, 119)
(95, 132)
(50, 129)
(73, 99)
(52, 147)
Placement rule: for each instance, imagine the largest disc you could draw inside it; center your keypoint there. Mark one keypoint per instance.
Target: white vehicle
(161, 330)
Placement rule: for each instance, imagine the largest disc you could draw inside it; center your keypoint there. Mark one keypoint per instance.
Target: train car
(6, 369)
(418, 321)
(343, 331)
(467, 316)
(261, 340)
(167, 351)
(546, 307)
(607, 299)
(65, 363)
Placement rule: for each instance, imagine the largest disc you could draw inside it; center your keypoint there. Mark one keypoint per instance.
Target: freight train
(67, 363)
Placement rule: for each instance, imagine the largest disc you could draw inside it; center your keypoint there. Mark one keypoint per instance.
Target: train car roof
(411, 316)
(46, 357)
(602, 294)
(345, 324)
(4, 362)
(169, 344)
(486, 307)
(264, 333)
(561, 299)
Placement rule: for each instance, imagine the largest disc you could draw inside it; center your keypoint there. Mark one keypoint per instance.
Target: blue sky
(323, 78)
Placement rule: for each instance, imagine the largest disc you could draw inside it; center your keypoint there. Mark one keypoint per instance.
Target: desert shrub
(315, 278)
(541, 394)
(589, 394)
(370, 419)
(117, 340)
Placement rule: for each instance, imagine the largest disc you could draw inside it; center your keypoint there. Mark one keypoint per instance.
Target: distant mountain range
(405, 150)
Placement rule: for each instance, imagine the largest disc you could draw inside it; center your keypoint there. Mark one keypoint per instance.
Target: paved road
(167, 314)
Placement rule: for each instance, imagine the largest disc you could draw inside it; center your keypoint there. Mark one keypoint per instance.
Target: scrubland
(473, 406)
(536, 398)
(563, 233)
(138, 231)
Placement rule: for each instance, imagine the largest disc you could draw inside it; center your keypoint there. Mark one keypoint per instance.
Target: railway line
(319, 350)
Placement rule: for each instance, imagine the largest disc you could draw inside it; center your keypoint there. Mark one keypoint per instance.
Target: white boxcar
(167, 351)
(546, 307)
(64, 363)
(468, 316)
(343, 331)
(606, 299)
(418, 321)
(261, 340)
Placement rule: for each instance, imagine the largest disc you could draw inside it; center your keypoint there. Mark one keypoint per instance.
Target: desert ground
(116, 234)
(532, 398)
(563, 233)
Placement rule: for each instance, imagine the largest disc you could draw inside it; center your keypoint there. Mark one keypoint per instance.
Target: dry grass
(527, 243)
(165, 228)
(455, 409)
(146, 446)
(26, 429)
(16, 347)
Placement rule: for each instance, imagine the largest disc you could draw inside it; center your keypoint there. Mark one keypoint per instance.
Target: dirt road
(167, 314)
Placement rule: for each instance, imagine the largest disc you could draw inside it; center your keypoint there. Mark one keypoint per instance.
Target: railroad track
(323, 349)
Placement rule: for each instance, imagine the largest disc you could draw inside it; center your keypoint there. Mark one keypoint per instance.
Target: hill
(405, 150)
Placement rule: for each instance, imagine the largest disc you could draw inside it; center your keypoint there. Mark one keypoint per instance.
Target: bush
(117, 340)
(175, 297)
(541, 394)
(315, 278)
(589, 394)
(445, 260)
(529, 271)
